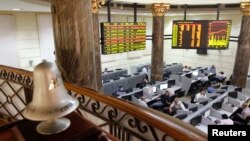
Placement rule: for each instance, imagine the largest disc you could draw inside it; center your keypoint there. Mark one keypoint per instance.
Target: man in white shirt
(176, 105)
(205, 78)
(225, 120)
(201, 94)
(185, 68)
(245, 111)
(144, 70)
(243, 115)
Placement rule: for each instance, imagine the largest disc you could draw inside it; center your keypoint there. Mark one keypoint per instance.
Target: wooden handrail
(16, 70)
(173, 127)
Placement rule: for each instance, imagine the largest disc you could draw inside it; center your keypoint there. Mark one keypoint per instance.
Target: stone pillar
(96, 4)
(241, 64)
(74, 42)
(158, 10)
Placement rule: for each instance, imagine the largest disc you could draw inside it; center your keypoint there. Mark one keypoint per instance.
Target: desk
(212, 118)
(225, 112)
(176, 88)
(203, 128)
(80, 130)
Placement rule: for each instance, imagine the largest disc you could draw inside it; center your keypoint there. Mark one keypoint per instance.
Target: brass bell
(50, 100)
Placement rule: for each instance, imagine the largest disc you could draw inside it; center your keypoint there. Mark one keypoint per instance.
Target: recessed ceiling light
(16, 9)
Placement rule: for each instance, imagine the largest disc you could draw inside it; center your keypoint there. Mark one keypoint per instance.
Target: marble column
(74, 44)
(241, 64)
(158, 10)
(96, 4)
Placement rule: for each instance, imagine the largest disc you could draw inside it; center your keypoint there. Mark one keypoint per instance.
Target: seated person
(211, 88)
(163, 101)
(120, 90)
(205, 78)
(212, 69)
(176, 105)
(244, 114)
(201, 94)
(105, 70)
(185, 68)
(221, 77)
(144, 82)
(225, 120)
(143, 102)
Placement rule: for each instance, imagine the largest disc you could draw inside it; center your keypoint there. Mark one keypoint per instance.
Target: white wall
(8, 48)
(35, 42)
(27, 40)
(46, 37)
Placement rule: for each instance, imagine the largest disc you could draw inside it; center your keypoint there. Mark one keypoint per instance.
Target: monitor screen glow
(154, 89)
(163, 86)
(195, 73)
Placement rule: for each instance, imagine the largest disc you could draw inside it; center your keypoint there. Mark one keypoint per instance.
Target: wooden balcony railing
(126, 121)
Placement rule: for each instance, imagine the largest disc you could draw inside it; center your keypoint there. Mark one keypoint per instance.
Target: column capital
(96, 4)
(245, 8)
(159, 9)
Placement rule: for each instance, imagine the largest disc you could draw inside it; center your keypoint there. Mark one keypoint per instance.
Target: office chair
(217, 105)
(196, 120)
(180, 93)
(233, 94)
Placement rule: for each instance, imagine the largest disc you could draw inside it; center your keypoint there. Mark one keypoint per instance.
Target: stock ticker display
(118, 37)
(201, 34)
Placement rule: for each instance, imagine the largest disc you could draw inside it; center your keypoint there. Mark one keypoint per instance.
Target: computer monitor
(127, 97)
(171, 82)
(238, 89)
(195, 73)
(188, 75)
(213, 97)
(106, 81)
(194, 109)
(224, 87)
(126, 75)
(207, 113)
(163, 86)
(136, 73)
(217, 105)
(154, 89)
(116, 78)
(204, 102)
(201, 70)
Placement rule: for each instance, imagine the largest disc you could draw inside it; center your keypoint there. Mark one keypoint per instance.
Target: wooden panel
(157, 49)
(73, 31)
(243, 54)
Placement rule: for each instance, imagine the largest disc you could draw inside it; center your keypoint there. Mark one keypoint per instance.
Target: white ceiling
(38, 6)
(181, 2)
